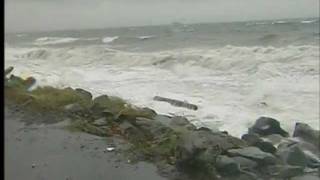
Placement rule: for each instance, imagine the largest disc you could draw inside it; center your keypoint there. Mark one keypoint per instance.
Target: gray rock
(100, 122)
(197, 150)
(251, 139)
(305, 132)
(255, 154)
(313, 160)
(181, 122)
(227, 166)
(73, 108)
(266, 147)
(293, 155)
(153, 128)
(245, 163)
(306, 177)
(275, 139)
(8, 70)
(265, 126)
(284, 172)
(83, 93)
(164, 119)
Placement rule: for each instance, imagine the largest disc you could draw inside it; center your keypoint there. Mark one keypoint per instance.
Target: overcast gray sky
(38, 15)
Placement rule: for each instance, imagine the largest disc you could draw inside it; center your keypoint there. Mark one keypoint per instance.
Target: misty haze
(162, 90)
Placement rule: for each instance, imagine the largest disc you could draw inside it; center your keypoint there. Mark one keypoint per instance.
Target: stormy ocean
(234, 72)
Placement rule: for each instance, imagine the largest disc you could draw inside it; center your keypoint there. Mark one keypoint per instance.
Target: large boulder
(227, 166)
(197, 150)
(255, 154)
(245, 163)
(306, 133)
(265, 126)
(255, 140)
(292, 155)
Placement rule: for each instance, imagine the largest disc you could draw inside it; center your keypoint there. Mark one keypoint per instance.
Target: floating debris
(177, 103)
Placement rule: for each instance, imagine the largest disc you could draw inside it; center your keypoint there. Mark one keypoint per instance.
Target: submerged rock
(265, 126)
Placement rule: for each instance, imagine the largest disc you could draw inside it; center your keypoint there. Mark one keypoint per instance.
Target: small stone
(33, 165)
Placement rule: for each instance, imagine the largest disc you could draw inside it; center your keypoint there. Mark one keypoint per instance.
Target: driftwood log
(177, 103)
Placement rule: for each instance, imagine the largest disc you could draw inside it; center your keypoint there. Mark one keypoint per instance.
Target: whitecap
(109, 39)
(54, 40)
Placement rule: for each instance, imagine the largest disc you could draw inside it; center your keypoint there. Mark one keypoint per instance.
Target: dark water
(166, 37)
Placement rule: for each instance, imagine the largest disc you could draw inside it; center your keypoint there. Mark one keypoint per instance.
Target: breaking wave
(109, 39)
(54, 40)
(231, 85)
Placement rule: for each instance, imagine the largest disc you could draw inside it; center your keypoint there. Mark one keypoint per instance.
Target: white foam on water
(146, 37)
(54, 40)
(232, 86)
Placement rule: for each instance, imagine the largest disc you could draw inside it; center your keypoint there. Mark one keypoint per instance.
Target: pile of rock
(176, 146)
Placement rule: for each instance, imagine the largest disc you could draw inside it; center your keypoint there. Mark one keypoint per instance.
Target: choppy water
(235, 72)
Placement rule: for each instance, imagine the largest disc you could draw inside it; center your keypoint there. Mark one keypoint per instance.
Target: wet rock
(255, 154)
(266, 147)
(245, 163)
(178, 122)
(227, 166)
(267, 126)
(251, 139)
(308, 134)
(306, 177)
(313, 160)
(88, 127)
(132, 133)
(284, 172)
(197, 150)
(100, 122)
(84, 94)
(8, 70)
(164, 119)
(293, 155)
(275, 139)
(73, 108)
(154, 128)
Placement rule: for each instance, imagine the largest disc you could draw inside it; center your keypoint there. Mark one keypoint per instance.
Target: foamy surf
(146, 37)
(109, 39)
(54, 40)
(232, 86)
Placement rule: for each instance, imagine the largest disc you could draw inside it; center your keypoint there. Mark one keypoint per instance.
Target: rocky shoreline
(179, 149)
